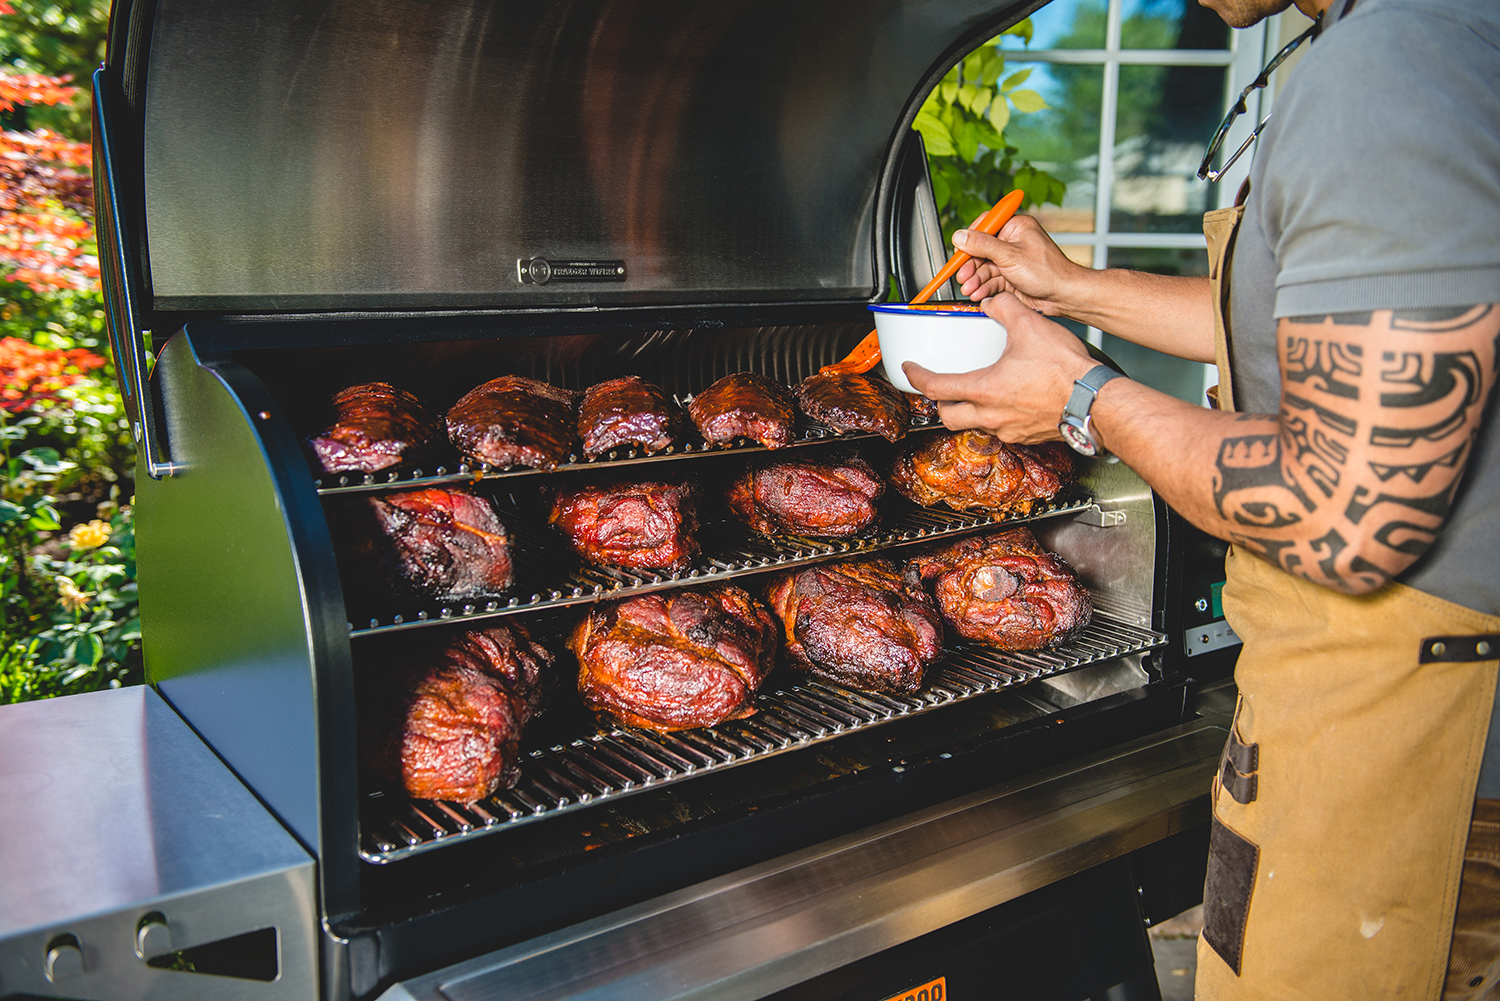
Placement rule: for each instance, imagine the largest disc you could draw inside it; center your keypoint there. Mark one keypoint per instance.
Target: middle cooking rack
(550, 576)
(607, 765)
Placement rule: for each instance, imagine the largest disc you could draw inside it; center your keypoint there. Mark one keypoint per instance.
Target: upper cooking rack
(728, 550)
(608, 765)
(806, 432)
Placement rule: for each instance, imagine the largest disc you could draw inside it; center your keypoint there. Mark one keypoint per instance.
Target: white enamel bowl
(947, 338)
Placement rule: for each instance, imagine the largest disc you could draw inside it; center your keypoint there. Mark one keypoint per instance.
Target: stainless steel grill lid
(352, 155)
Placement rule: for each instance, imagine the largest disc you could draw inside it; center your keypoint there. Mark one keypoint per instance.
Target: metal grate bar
(459, 470)
(607, 765)
(550, 576)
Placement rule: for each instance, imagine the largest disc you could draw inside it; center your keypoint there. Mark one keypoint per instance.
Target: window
(1135, 89)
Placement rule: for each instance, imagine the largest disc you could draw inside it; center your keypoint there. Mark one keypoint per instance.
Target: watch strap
(1086, 388)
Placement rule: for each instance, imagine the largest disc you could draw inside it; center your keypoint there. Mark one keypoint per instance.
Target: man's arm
(1346, 487)
(1170, 314)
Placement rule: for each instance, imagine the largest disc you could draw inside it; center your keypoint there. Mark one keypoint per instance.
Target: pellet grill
(296, 197)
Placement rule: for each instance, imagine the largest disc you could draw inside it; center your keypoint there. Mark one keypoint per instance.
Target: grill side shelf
(808, 432)
(728, 551)
(611, 764)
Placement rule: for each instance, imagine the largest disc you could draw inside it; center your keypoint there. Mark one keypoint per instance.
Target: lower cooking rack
(608, 765)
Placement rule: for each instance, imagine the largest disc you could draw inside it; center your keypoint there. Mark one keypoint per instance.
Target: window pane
(1170, 24)
(1175, 376)
(1063, 139)
(1167, 115)
(1064, 24)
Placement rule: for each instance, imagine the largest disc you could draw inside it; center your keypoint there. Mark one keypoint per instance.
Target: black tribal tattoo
(1355, 477)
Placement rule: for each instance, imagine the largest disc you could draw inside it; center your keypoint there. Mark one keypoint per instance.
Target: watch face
(1078, 439)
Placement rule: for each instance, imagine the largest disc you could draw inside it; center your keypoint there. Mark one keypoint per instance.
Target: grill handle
(119, 273)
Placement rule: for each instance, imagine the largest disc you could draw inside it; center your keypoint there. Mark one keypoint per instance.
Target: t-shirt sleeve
(1382, 183)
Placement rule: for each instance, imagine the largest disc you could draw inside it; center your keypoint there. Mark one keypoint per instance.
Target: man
(1355, 470)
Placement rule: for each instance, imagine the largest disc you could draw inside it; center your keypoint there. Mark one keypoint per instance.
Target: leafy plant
(963, 124)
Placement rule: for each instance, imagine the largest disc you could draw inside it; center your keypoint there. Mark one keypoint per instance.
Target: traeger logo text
(540, 271)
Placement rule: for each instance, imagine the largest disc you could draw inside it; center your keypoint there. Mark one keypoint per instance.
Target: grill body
(752, 225)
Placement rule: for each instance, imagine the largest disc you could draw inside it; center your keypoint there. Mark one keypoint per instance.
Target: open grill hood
(340, 155)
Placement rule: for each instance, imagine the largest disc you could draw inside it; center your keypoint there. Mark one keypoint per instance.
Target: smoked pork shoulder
(1004, 590)
(859, 624)
(974, 471)
(830, 497)
(675, 660)
(440, 544)
(637, 526)
(445, 721)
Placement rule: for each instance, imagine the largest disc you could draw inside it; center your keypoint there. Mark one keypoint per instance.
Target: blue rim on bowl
(929, 309)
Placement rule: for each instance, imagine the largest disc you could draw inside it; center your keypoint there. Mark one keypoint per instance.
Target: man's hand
(1022, 260)
(1021, 397)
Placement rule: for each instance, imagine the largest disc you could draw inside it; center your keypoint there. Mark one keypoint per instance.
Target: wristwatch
(1076, 425)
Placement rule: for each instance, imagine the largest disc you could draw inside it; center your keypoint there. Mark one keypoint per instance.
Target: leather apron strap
(1342, 804)
(1219, 228)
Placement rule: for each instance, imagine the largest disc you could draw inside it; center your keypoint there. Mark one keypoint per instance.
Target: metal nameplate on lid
(540, 271)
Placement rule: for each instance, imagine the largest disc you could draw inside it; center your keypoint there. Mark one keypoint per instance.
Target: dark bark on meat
(627, 411)
(745, 405)
(446, 545)
(446, 722)
(921, 406)
(830, 498)
(675, 660)
(858, 624)
(375, 426)
(638, 526)
(855, 403)
(1005, 590)
(970, 470)
(515, 421)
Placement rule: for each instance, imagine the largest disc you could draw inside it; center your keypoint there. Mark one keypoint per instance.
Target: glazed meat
(675, 660)
(970, 470)
(855, 403)
(515, 421)
(446, 722)
(375, 426)
(1004, 590)
(921, 406)
(626, 411)
(638, 526)
(436, 543)
(829, 497)
(745, 405)
(858, 624)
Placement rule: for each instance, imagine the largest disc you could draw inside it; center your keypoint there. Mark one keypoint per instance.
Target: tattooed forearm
(1354, 479)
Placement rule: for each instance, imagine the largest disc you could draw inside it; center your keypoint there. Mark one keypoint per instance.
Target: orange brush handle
(866, 354)
(990, 223)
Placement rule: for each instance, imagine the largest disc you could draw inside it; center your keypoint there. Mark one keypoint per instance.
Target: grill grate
(550, 576)
(609, 765)
(807, 432)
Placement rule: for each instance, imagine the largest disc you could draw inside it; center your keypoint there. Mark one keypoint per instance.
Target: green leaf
(1015, 80)
(932, 105)
(935, 135)
(940, 190)
(12, 433)
(43, 519)
(987, 135)
(994, 65)
(1027, 101)
(10, 512)
(999, 116)
(1021, 30)
(949, 90)
(966, 139)
(973, 65)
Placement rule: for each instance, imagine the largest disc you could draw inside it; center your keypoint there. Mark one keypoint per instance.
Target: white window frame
(1244, 58)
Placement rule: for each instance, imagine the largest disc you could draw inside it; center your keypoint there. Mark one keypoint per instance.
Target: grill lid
(435, 154)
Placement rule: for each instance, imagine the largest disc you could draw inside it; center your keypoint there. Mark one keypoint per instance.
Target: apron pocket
(1232, 862)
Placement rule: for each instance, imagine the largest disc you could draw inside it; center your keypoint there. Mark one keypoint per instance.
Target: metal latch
(1096, 515)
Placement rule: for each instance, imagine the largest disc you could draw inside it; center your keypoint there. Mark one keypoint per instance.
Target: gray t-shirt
(1377, 186)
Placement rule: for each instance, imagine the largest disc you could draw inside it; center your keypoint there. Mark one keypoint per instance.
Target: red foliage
(30, 375)
(46, 194)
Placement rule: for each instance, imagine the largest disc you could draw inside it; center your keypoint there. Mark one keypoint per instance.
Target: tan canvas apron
(1343, 800)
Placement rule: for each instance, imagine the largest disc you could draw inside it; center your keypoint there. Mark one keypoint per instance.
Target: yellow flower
(72, 598)
(90, 536)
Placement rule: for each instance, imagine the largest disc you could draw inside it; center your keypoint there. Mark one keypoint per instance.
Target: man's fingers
(959, 416)
(939, 386)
